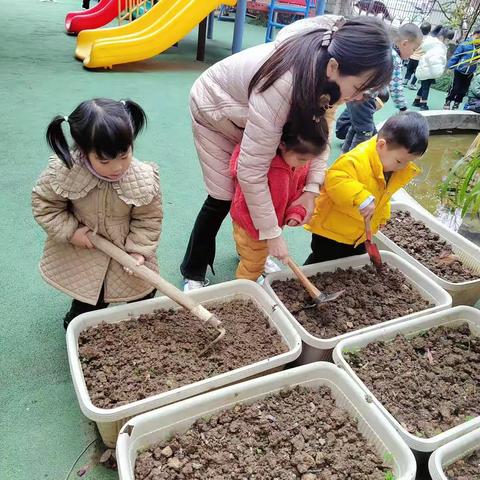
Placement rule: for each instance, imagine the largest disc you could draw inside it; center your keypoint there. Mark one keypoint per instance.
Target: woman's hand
(80, 239)
(277, 247)
(307, 200)
(140, 261)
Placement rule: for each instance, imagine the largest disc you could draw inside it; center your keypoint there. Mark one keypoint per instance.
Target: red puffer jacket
(286, 185)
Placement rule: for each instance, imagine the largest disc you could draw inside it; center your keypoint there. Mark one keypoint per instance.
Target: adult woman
(247, 98)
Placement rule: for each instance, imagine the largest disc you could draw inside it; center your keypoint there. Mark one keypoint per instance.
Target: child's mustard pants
(253, 254)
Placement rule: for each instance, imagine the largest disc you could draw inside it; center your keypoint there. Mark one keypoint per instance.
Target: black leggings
(324, 249)
(411, 69)
(424, 89)
(201, 247)
(459, 88)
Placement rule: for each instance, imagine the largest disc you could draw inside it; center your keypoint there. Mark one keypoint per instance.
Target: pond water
(444, 150)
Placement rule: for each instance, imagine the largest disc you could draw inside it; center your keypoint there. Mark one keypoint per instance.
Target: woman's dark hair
(436, 31)
(103, 126)
(308, 138)
(446, 33)
(361, 45)
(407, 130)
(426, 27)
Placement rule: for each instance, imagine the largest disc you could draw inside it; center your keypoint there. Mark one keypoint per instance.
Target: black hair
(476, 31)
(407, 130)
(360, 45)
(410, 32)
(436, 31)
(384, 95)
(307, 138)
(103, 126)
(446, 33)
(426, 28)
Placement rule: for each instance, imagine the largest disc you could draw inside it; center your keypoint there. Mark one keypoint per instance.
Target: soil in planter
(467, 468)
(297, 433)
(369, 298)
(427, 247)
(127, 361)
(429, 383)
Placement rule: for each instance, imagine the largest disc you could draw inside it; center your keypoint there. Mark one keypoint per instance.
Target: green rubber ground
(43, 432)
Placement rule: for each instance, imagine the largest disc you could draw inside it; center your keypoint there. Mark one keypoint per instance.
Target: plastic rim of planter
(452, 451)
(160, 424)
(452, 316)
(421, 282)
(110, 420)
(463, 293)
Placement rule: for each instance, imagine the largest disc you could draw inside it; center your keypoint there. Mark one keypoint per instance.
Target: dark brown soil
(369, 298)
(150, 354)
(426, 246)
(297, 433)
(467, 468)
(429, 383)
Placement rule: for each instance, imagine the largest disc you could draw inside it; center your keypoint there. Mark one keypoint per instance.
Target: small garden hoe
(154, 279)
(371, 248)
(318, 297)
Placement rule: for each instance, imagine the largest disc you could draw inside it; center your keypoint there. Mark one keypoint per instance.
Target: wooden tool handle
(368, 230)
(153, 278)
(312, 290)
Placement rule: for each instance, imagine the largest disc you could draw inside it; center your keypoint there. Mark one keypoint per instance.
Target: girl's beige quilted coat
(127, 212)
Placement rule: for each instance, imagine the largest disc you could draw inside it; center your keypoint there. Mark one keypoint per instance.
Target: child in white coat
(432, 65)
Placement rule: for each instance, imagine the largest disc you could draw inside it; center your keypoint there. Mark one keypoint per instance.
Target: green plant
(389, 475)
(444, 82)
(388, 458)
(461, 188)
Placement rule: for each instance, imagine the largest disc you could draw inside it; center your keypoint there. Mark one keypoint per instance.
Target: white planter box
(453, 316)
(316, 348)
(463, 293)
(449, 453)
(159, 425)
(110, 420)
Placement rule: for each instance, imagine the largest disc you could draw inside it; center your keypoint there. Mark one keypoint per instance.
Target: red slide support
(98, 16)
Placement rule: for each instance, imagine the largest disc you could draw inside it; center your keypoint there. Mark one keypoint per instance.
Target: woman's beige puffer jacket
(223, 115)
(127, 212)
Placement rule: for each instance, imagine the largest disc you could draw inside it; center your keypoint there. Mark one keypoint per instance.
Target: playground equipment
(290, 7)
(104, 12)
(101, 14)
(159, 28)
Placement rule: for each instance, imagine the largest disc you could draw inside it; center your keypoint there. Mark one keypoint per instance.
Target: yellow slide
(158, 29)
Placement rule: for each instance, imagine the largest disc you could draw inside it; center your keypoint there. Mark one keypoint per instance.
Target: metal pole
(211, 20)
(241, 13)
(320, 10)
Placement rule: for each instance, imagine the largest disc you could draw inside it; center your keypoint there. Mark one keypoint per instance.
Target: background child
(359, 186)
(463, 62)
(286, 177)
(432, 64)
(362, 119)
(98, 186)
(473, 101)
(407, 39)
(410, 78)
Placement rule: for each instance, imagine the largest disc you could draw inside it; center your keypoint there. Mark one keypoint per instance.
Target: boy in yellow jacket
(359, 185)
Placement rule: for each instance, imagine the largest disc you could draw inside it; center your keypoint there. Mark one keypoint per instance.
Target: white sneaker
(271, 266)
(189, 285)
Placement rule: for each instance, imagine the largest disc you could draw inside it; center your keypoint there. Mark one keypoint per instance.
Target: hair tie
(328, 35)
(66, 118)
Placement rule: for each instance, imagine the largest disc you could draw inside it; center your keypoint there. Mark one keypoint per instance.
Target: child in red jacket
(286, 180)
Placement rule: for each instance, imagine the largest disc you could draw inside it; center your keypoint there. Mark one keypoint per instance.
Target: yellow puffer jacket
(350, 181)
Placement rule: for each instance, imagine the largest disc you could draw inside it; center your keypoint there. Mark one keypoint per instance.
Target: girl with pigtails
(97, 185)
